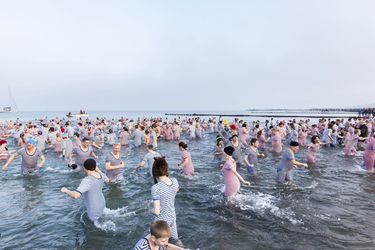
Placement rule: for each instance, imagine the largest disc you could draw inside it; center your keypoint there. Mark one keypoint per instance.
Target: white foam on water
(359, 168)
(106, 225)
(262, 203)
(56, 170)
(312, 186)
(117, 213)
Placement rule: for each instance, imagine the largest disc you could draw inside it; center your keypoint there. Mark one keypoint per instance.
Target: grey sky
(187, 55)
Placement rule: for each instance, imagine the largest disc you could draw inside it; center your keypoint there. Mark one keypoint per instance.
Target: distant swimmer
(91, 188)
(32, 158)
(288, 163)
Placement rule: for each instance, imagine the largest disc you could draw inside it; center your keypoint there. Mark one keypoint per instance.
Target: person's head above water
(229, 150)
(90, 164)
(294, 146)
(159, 168)
(160, 233)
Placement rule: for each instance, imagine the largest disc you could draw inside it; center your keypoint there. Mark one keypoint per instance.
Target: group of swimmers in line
(237, 144)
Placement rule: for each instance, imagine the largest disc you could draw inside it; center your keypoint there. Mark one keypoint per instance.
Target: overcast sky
(187, 55)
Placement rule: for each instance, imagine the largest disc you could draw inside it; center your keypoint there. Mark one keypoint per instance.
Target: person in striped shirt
(158, 238)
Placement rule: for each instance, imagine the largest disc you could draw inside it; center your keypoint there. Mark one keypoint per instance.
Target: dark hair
(293, 144)
(160, 229)
(313, 138)
(76, 134)
(229, 150)
(150, 147)
(231, 138)
(85, 139)
(253, 140)
(90, 164)
(159, 168)
(182, 144)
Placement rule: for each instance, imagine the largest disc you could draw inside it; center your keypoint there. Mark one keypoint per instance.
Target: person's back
(166, 194)
(91, 189)
(149, 159)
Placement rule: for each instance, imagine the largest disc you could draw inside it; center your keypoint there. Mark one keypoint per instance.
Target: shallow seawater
(331, 206)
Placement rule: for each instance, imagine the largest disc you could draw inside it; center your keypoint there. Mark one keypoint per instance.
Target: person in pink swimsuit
(261, 136)
(124, 136)
(369, 154)
(176, 131)
(277, 145)
(313, 149)
(186, 163)
(231, 177)
(243, 135)
(302, 135)
(351, 141)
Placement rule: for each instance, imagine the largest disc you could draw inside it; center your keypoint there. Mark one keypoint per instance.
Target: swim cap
(294, 144)
(3, 142)
(32, 141)
(233, 126)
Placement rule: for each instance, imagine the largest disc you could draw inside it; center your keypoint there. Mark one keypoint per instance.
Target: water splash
(264, 203)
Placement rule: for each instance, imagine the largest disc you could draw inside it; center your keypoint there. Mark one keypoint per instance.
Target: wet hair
(159, 168)
(183, 145)
(253, 141)
(150, 147)
(229, 150)
(90, 164)
(160, 229)
(313, 138)
(293, 144)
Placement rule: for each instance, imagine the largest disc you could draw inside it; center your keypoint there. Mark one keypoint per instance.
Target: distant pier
(290, 113)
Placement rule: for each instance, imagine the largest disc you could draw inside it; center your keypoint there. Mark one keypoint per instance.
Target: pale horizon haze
(187, 55)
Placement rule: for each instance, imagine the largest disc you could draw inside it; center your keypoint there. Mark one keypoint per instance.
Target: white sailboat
(12, 107)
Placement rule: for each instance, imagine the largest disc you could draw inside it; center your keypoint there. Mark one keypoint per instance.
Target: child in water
(157, 239)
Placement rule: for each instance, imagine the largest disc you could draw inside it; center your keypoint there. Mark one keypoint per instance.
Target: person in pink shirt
(369, 154)
(231, 177)
(124, 136)
(176, 131)
(313, 149)
(351, 141)
(186, 163)
(276, 142)
(243, 135)
(261, 136)
(168, 134)
(302, 135)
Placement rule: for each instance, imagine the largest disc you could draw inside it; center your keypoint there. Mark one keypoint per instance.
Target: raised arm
(9, 161)
(72, 194)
